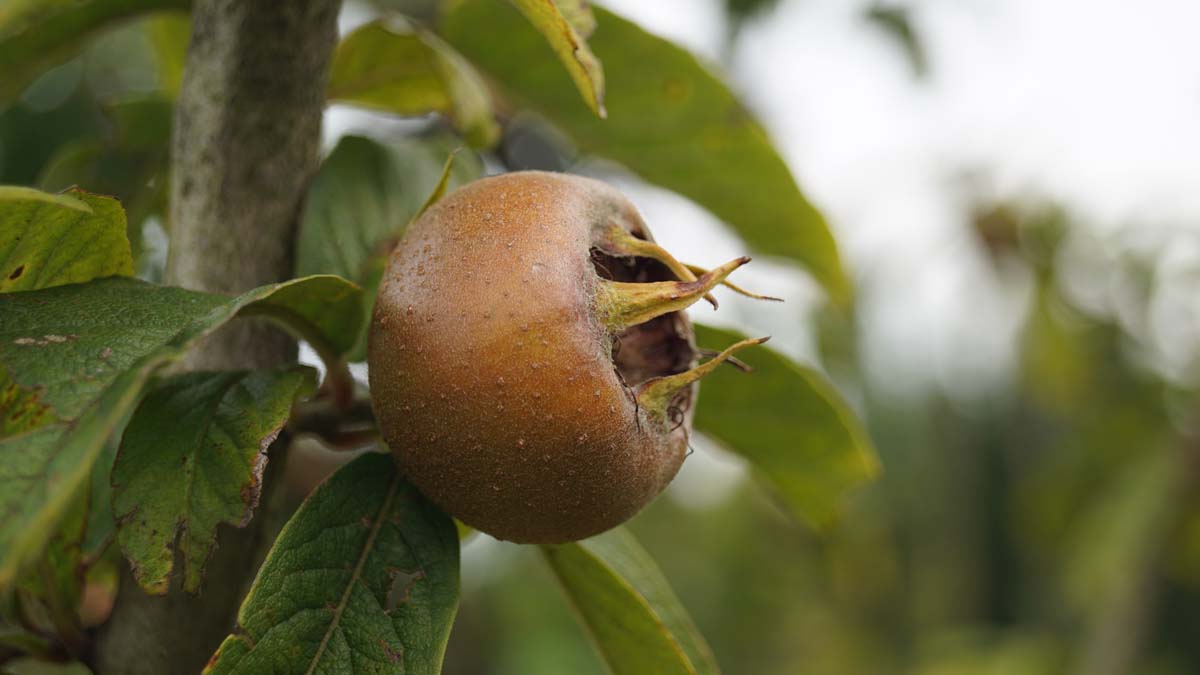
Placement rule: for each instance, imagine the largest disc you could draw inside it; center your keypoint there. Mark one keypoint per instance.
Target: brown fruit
(530, 367)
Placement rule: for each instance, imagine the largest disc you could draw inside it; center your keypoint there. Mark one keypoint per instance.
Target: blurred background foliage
(1050, 525)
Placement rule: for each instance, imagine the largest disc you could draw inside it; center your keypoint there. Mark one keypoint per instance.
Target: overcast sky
(1094, 104)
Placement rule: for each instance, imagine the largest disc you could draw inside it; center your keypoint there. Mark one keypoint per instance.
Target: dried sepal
(655, 395)
(623, 304)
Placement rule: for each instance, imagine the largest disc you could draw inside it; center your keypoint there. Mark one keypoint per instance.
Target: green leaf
(360, 202)
(129, 162)
(790, 423)
(191, 458)
(439, 190)
(670, 121)
(363, 579)
(87, 351)
(570, 47)
(36, 35)
(391, 66)
(55, 583)
(634, 618)
(49, 240)
(169, 34)
(101, 524)
(32, 666)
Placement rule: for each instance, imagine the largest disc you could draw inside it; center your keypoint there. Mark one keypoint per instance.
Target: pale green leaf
(53, 239)
(36, 35)
(391, 66)
(670, 121)
(87, 351)
(631, 613)
(363, 579)
(191, 458)
(169, 33)
(790, 424)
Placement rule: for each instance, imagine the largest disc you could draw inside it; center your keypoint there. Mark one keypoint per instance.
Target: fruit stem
(619, 241)
(624, 304)
(696, 269)
(655, 395)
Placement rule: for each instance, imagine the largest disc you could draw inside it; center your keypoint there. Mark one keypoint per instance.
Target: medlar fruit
(530, 365)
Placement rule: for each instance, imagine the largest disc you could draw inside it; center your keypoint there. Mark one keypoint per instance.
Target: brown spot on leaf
(21, 408)
(395, 656)
(252, 490)
(400, 592)
(16, 274)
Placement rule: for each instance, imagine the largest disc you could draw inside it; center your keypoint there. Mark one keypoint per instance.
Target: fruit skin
(492, 373)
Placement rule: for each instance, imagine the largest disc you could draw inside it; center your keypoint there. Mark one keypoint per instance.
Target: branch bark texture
(245, 146)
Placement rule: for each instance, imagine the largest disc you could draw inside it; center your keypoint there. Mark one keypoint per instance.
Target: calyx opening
(654, 348)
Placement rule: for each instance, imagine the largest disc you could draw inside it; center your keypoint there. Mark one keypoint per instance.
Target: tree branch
(246, 141)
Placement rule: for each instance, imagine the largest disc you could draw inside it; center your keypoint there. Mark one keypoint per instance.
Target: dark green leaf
(38, 34)
(30, 136)
(634, 618)
(360, 203)
(191, 458)
(87, 351)
(670, 121)
(896, 23)
(741, 10)
(363, 579)
(391, 66)
(15, 641)
(49, 240)
(30, 666)
(101, 525)
(790, 423)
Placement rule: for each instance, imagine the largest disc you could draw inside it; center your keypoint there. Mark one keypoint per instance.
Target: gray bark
(246, 141)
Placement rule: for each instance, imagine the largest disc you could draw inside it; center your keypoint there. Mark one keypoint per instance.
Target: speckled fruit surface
(493, 373)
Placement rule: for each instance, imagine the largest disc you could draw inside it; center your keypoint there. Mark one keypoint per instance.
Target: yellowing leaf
(570, 47)
(390, 66)
(53, 239)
